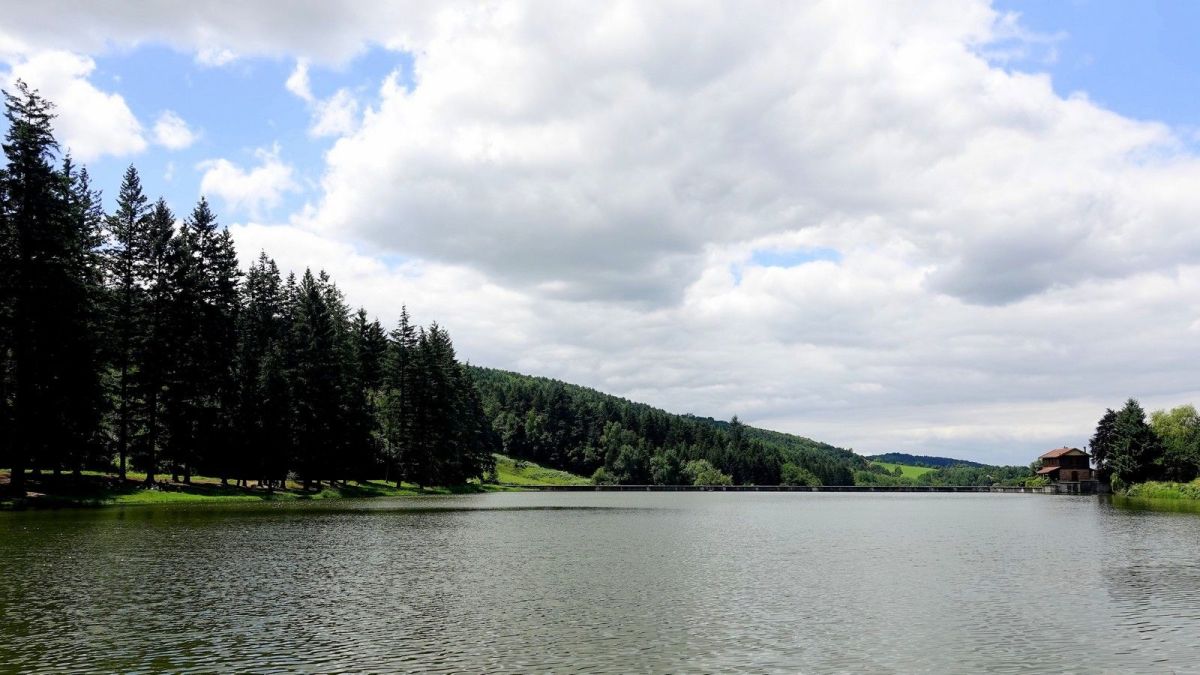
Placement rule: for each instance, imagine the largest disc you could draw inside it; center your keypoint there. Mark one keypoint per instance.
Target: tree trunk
(16, 484)
(152, 432)
(123, 424)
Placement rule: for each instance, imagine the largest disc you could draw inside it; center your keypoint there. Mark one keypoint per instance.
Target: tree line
(614, 440)
(133, 337)
(1128, 449)
(964, 473)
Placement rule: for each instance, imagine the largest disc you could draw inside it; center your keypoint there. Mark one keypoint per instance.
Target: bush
(791, 474)
(1165, 490)
(703, 473)
(603, 477)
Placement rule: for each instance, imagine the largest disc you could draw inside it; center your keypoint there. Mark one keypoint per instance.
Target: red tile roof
(1059, 452)
(1048, 469)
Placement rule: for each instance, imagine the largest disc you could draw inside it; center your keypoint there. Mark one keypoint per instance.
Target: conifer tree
(127, 230)
(260, 332)
(1135, 450)
(37, 250)
(82, 402)
(316, 380)
(399, 383)
(153, 349)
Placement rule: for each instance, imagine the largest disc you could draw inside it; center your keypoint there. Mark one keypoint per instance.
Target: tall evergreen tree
(1103, 443)
(127, 230)
(399, 383)
(38, 251)
(260, 375)
(202, 329)
(362, 377)
(316, 380)
(1135, 452)
(153, 352)
(82, 401)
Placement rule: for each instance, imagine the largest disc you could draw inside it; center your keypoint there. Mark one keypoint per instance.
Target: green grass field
(519, 472)
(906, 470)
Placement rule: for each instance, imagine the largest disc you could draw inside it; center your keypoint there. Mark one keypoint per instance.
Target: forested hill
(585, 431)
(923, 460)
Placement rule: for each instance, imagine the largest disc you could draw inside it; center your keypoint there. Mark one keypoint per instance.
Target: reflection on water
(606, 582)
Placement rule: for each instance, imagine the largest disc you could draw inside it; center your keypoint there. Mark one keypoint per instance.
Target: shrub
(791, 474)
(704, 473)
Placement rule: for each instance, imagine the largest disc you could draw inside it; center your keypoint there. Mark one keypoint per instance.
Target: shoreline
(95, 490)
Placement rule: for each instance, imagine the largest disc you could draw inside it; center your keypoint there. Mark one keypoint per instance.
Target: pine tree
(82, 401)
(362, 377)
(316, 379)
(182, 402)
(261, 384)
(1103, 442)
(399, 383)
(1135, 452)
(37, 250)
(127, 228)
(220, 336)
(202, 329)
(153, 351)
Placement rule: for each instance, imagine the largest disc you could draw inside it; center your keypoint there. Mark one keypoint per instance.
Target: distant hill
(924, 460)
(587, 432)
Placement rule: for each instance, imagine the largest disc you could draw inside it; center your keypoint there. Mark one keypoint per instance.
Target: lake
(605, 582)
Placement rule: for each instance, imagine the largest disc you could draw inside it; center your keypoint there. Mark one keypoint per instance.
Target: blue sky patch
(1140, 59)
(794, 257)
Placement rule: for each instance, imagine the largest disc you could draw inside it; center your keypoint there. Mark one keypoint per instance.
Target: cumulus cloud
(172, 132)
(253, 190)
(297, 82)
(215, 57)
(218, 32)
(335, 116)
(597, 154)
(91, 123)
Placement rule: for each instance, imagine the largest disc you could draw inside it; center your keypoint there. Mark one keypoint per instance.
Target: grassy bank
(517, 472)
(906, 470)
(97, 489)
(94, 488)
(1165, 490)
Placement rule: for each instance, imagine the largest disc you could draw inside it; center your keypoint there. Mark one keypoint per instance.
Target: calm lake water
(606, 582)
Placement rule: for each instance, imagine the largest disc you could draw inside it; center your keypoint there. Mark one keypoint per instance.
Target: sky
(942, 227)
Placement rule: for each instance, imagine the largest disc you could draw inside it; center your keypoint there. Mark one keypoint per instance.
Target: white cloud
(297, 82)
(90, 123)
(172, 132)
(599, 153)
(218, 32)
(215, 57)
(249, 191)
(335, 116)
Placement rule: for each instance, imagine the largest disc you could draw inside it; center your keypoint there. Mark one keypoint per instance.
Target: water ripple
(606, 583)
